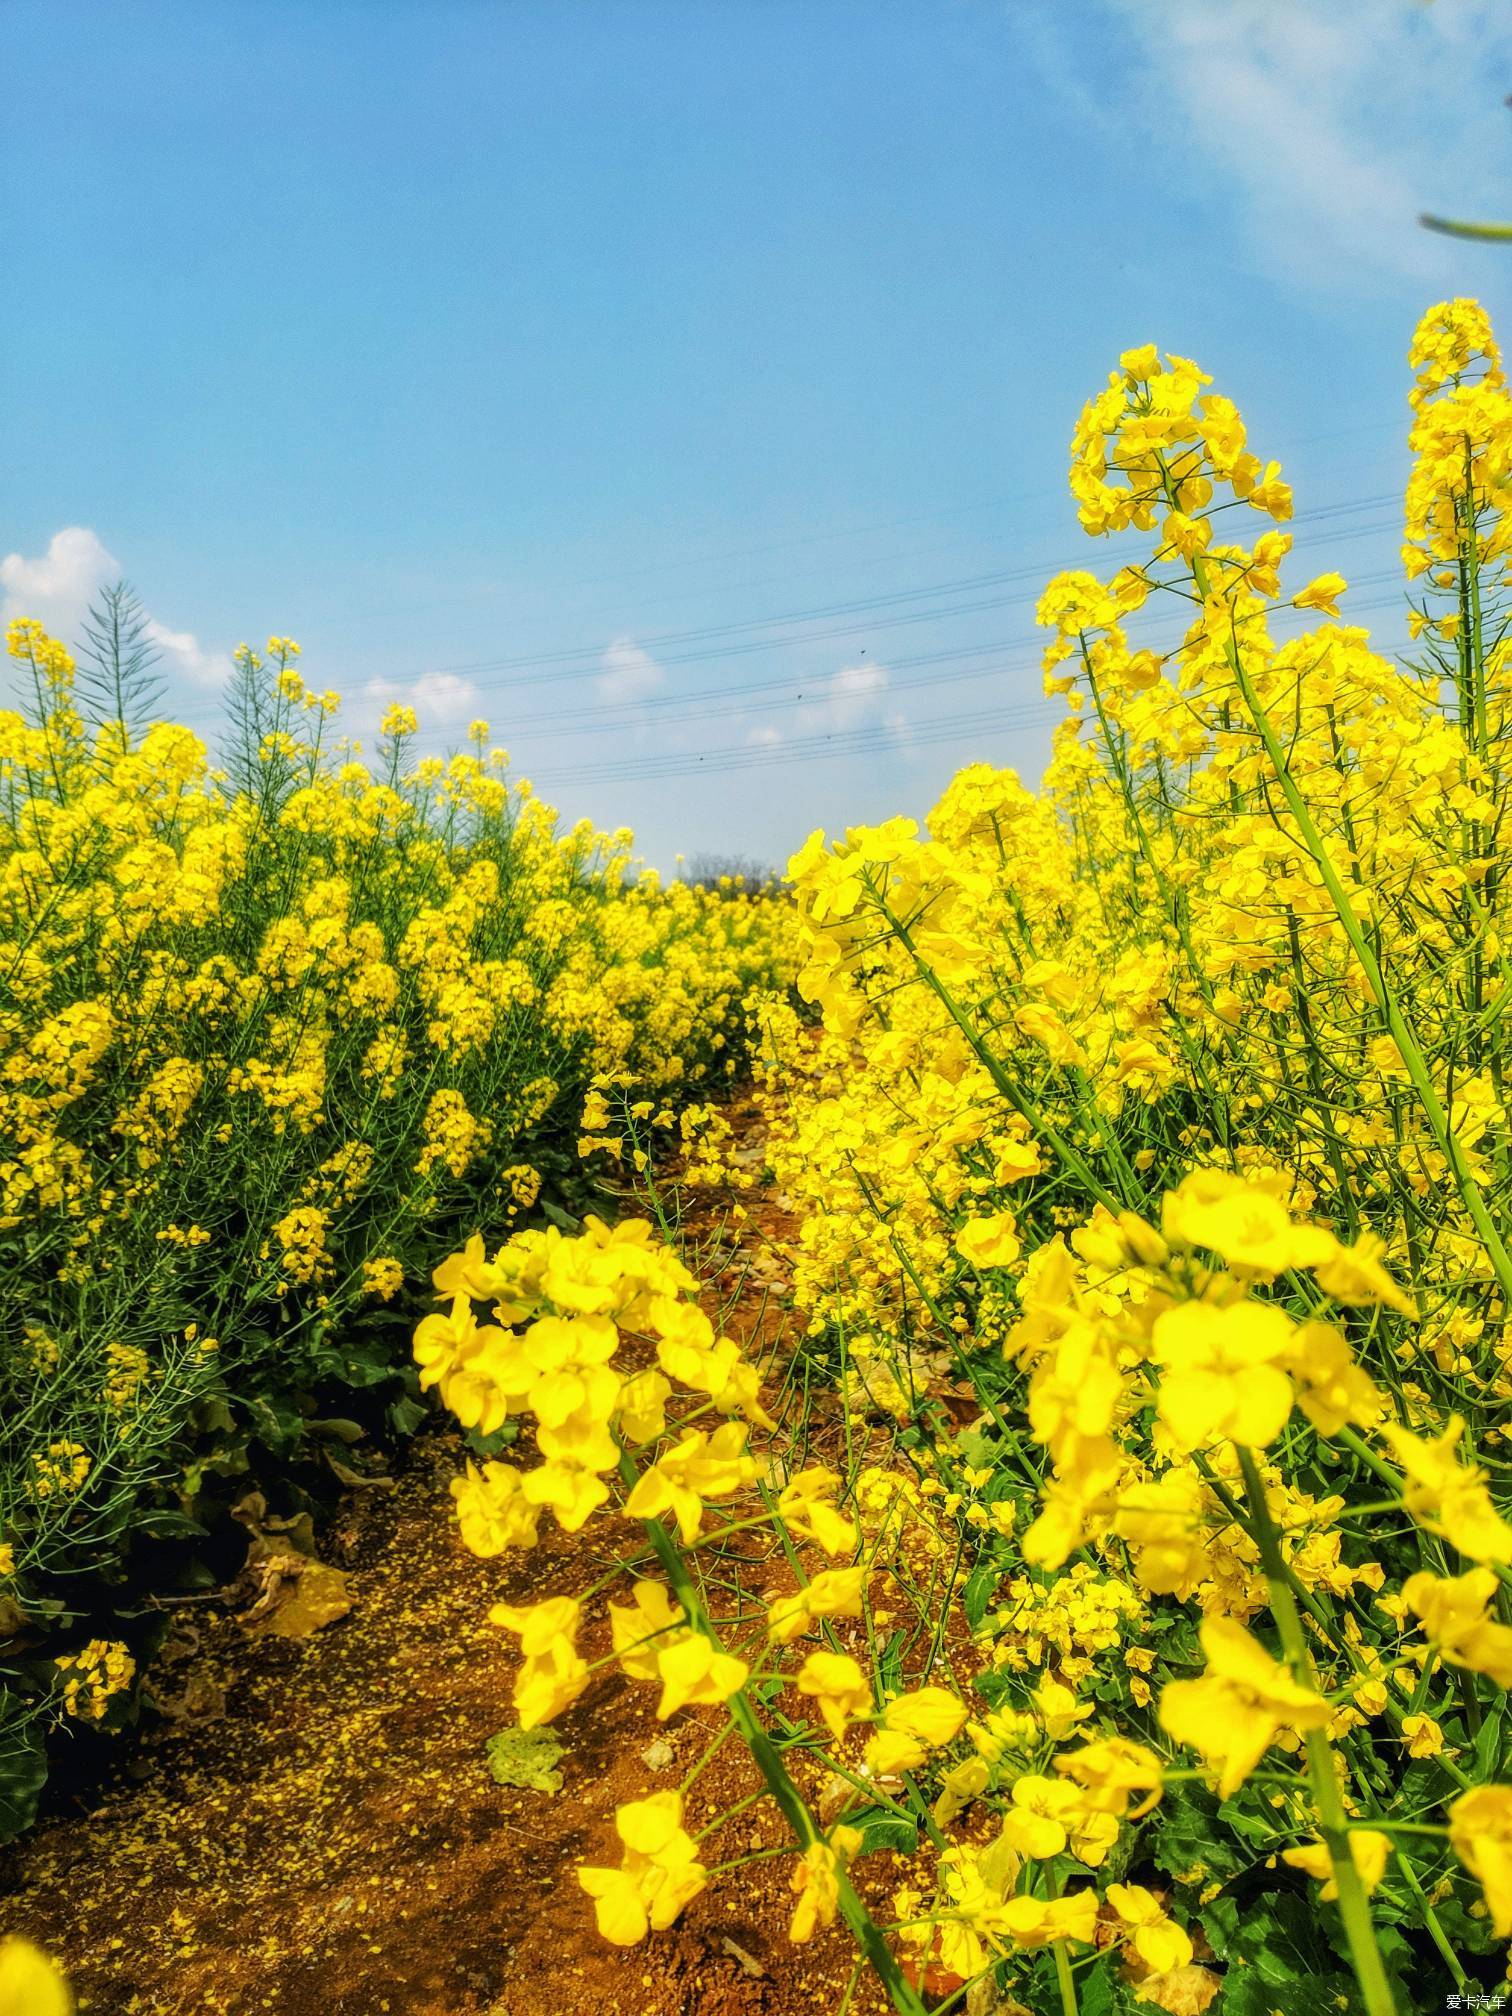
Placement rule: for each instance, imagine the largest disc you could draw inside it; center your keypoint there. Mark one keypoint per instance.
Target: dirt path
(333, 1844)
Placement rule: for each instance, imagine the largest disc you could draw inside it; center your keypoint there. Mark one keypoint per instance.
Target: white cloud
(440, 699)
(180, 651)
(849, 699)
(59, 585)
(854, 693)
(1335, 125)
(629, 673)
(765, 737)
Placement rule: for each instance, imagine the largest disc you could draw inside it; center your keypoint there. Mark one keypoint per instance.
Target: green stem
(768, 1761)
(1430, 1919)
(1383, 994)
(1333, 1822)
(1064, 1979)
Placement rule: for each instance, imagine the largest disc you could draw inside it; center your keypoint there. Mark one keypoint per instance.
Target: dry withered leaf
(358, 1480)
(271, 1533)
(985, 1998)
(747, 1962)
(293, 1594)
(1184, 1991)
(836, 1794)
(297, 1597)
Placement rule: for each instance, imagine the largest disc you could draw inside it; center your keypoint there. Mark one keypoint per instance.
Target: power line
(667, 765)
(812, 539)
(614, 715)
(657, 641)
(756, 698)
(609, 716)
(854, 742)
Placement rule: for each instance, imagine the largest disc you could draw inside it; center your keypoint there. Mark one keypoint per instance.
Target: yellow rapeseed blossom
(1233, 1714)
(659, 1873)
(92, 1676)
(30, 1984)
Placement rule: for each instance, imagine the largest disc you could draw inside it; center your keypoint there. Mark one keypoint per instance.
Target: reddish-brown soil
(321, 1836)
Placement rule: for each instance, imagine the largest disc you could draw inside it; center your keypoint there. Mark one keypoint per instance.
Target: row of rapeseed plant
(1163, 1113)
(269, 1032)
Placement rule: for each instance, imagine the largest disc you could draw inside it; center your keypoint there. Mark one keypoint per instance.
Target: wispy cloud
(897, 724)
(852, 698)
(182, 652)
(440, 699)
(854, 692)
(58, 586)
(629, 673)
(1332, 127)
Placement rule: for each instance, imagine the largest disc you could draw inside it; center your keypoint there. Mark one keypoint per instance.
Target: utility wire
(860, 742)
(874, 738)
(656, 641)
(608, 714)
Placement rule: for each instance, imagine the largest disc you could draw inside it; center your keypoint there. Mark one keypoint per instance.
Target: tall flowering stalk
(1243, 954)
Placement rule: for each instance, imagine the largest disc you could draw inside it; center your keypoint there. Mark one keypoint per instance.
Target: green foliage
(882, 1829)
(116, 681)
(23, 1767)
(527, 1757)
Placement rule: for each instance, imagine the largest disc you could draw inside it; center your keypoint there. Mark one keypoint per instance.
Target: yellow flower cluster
(1148, 1145)
(598, 1342)
(92, 1676)
(265, 1030)
(1164, 1107)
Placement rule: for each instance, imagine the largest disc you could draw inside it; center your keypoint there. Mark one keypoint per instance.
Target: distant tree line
(731, 873)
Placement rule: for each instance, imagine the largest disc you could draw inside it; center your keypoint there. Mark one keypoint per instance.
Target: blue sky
(686, 388)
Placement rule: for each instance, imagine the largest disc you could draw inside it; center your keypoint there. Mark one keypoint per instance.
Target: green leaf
(882, 1829)
(890, 1665)
(978, 1449)
(405, 1415)
(486, 1447)
(192, 1574)
(1246, 1992)
(361, 1366)
(1192, 1843)
(525, 1757)
(1220, 1921)
(1488, 1748)
(336, 1429)
(1258, 1828)
(563, 1220)
(981, 1587)
(1464, 1933)
(1459, 227)
(23, 1773)
(1099, 1991)
(1397, 1956)
(276, 1419)
(165, 1524)
(1283, 1952)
